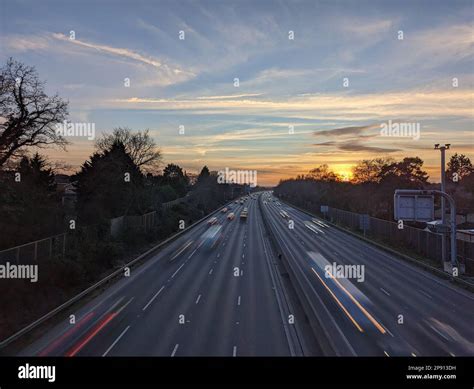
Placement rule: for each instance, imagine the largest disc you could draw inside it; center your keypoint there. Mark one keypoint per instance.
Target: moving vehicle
(211, 237)
(231, 216)
(212, 220)
(244, 214)
(224, 210)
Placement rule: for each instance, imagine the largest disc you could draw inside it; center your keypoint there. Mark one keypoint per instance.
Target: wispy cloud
(16, 43)
(128, 54)
(370, 28)
(224, 97)
(346, 130)
(120, 52)
(353, 138)
(383, 105)
(357, 146)
(282, 82)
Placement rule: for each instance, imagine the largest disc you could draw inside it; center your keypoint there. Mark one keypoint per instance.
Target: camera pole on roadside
(443, 189)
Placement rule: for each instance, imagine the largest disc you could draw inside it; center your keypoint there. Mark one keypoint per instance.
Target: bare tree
(369, 170)
(138, 145)
(322, 173)
(27, 115)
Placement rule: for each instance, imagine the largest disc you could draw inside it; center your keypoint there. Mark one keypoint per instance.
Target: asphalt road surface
(191, 299)
(188, 300)
(395, 309)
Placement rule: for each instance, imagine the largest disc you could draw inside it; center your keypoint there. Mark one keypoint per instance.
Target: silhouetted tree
(459, 164)
(109, 185)
(167, 193)
(30, 207)
(173, 175)
(372, 191)
(203, 175)
(369, 170)
(30, 116)
(322, 173)
(407, 171)
(138, 145)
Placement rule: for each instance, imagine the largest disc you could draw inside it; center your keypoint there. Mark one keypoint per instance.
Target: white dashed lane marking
(153, 298)
(174, 350)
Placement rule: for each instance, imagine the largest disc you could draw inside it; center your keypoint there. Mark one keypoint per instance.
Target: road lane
(436, 314)
(141, 314)
(228, 300)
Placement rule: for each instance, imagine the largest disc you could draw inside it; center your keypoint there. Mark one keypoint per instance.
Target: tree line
(121, 177)
(373, 183)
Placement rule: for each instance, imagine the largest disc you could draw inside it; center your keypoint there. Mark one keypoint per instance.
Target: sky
(316, 79)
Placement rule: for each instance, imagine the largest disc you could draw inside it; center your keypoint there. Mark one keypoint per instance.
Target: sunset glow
(295, 101)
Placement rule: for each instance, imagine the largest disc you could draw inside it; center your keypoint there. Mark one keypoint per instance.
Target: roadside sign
(413, 207)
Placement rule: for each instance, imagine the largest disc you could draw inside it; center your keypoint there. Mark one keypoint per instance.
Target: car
(230, 216)
(224, 210)
(212, 220)
(211, 237)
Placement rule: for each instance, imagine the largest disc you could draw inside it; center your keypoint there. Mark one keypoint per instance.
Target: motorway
(396, 309)
(188, 300)
(231, 299)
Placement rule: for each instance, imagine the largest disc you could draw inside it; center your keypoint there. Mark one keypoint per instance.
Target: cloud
(328, 143)
(273, 78)
(346, 130)
(381, 105)
(423, 50)
(173, 73)
(23, 43)
(352, 138)
(444, 43)
(113, 50)
(167, 74)
(277, 73)
(224, 97)
(356, 146)
(368, 28)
